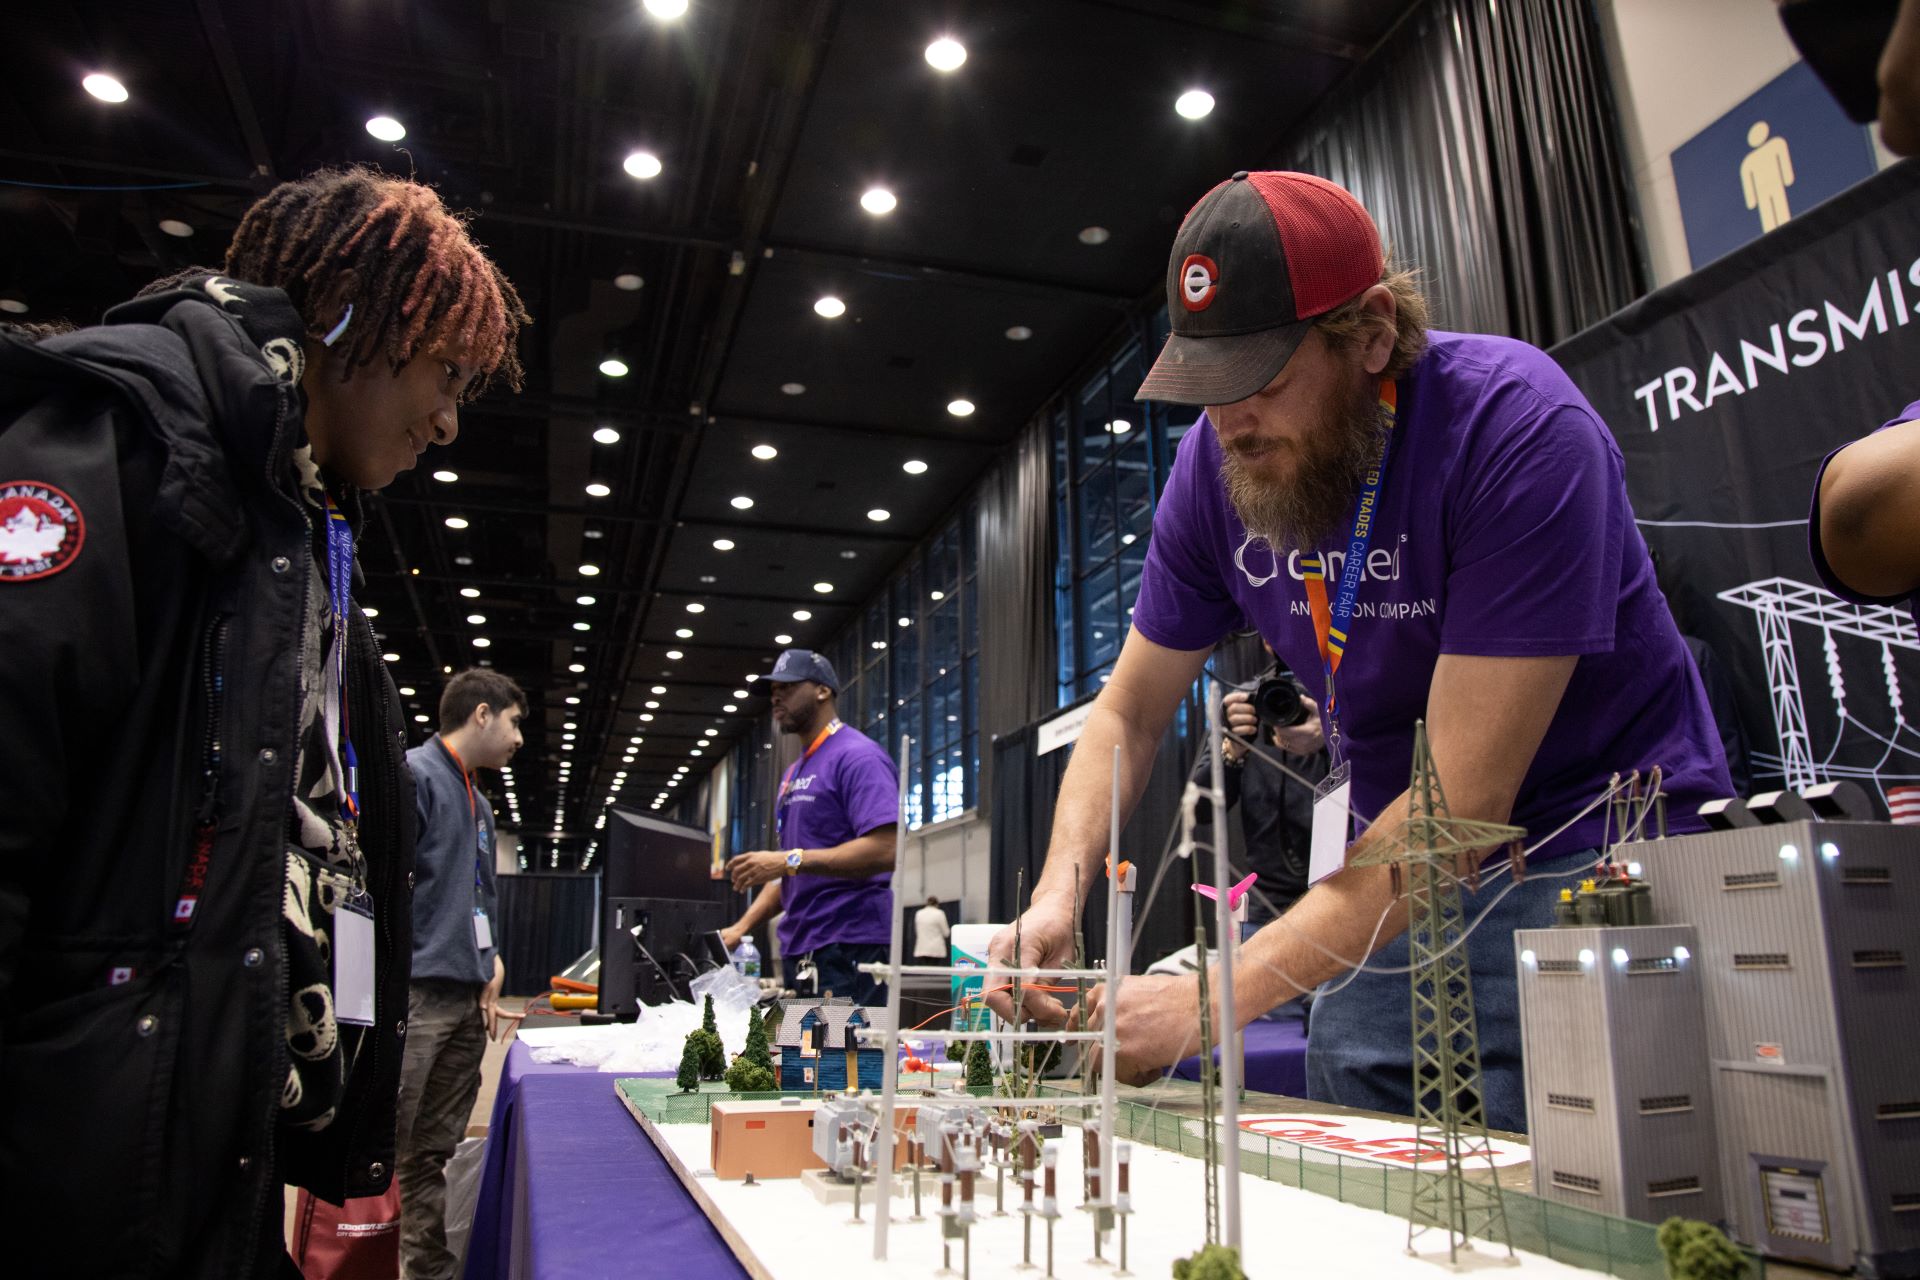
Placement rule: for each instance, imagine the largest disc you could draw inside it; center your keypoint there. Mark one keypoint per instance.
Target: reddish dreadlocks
(392, 250)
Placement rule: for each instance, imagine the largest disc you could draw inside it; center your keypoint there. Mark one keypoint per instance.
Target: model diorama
(1698, 1033)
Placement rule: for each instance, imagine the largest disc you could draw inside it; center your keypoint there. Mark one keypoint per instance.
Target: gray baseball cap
(796, 665)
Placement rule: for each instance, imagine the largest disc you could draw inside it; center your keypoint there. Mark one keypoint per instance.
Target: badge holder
(353, 978)
(1332, 822)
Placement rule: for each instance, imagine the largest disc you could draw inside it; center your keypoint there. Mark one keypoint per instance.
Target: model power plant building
(1732, 1053)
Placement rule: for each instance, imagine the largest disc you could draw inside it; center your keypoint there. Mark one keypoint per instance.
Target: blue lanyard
(1331, 620)
(340, 589)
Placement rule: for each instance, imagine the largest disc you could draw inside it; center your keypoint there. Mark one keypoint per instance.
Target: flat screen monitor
(648, 857)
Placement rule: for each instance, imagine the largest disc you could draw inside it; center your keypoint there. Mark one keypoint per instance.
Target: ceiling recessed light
(729, 708)
(914, 467)
(803, 615)
(849, 555)
(583, 626)
(407, 691)
(683, 633)
(176, 228)
(614, 367)
(658, 689)
(830, 307)
(674, 655)
(583, 599)
(960, 408)
(878, 201)
(598, 490)
(783, 638)
(946, 54)
(937, 595)
(1194, 104)
(570, 725)
(456, 522)
(104, 87)
(589, 570)
(572, 702)
(879, 513)
(666, 10)
(471, 593)
(386, 129)
(1019, 333)
(370, 611)
(1119, 427)
(446, 477)
(627, 282)
(642, 165)
(576, 668)
(477, 619)
(389, 657)
(793, 388)
(1094, 235)
(723, 544)
(713, 733)
(739, 693)
(651, 704)
(824, 588)
(13, 304)
(420, 720)
(765, 452)
(694, 606)
(462, 561)
(742, 503)
(906, 621)
(606, 435)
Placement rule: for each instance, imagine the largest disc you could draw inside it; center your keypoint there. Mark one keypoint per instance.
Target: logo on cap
(41, 530)
(1199, 282)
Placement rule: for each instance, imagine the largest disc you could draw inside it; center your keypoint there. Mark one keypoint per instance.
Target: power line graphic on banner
(1780, 603)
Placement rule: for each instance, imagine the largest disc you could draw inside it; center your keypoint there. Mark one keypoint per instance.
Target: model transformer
(1776, 970)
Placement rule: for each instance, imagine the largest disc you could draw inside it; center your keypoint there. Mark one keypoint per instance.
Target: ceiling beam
(213, 25)
(932, 272)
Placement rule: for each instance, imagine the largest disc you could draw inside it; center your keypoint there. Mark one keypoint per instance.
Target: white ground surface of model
(1287, 1231)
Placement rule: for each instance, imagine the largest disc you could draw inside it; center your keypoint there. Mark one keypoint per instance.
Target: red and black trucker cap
(1255, 262)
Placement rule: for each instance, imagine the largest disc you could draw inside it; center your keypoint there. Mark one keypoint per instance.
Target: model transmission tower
(1448, 1107)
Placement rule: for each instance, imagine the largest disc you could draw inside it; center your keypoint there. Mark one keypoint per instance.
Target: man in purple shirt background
(1438, 524)
(837, 816)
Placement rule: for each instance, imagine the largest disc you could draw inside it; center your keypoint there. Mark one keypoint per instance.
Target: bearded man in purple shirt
(1422, 525)
(837, 816)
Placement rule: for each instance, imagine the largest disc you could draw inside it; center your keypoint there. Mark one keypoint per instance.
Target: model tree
(752, 1071)
(688, 1077)
(1213, 1262)
(1699, 1251)
(713, 1052)
(979, 1064)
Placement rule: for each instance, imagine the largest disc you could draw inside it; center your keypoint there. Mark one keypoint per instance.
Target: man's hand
(1046, 942)
(1159, 1024)
(1243, 723)
(750, 869)
(490, 1008)
(1305, 738)
(730, 937)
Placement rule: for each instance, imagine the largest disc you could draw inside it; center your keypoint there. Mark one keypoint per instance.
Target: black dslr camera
(1277, 699)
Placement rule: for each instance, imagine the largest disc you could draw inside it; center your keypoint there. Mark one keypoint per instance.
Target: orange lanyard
(464, 777)
(833, 726)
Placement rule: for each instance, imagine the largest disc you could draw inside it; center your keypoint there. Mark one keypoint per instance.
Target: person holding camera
(1275, 755)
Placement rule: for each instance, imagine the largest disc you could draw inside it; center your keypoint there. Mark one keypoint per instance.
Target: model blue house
(820, 1050)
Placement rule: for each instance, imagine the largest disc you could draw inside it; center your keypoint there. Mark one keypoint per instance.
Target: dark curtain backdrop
(1016, 633)
(1482, 138)
(546, 923)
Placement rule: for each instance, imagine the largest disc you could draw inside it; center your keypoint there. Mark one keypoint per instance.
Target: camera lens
(1276, 700)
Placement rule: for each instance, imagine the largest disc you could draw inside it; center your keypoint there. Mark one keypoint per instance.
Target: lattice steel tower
(1448, 1107)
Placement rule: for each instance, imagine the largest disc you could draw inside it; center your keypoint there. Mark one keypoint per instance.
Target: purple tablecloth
(1276, 1059)
(573, 1189)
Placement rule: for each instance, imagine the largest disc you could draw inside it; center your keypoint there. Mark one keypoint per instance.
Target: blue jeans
(835, 971)
(1359, 1038)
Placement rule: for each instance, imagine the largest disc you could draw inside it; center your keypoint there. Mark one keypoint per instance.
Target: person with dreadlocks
(206, 822)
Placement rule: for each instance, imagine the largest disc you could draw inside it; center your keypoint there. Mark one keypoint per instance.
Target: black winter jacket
(150, 608)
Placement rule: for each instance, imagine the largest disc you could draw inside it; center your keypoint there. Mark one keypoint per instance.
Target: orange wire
(973, 999)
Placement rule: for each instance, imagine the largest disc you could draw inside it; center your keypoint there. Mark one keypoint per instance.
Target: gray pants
(439, 1080)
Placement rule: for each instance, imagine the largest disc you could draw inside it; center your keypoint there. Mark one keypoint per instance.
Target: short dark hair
(932, 901)
(466, 692)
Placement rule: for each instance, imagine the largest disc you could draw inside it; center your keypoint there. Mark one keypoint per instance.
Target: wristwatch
(793, 860)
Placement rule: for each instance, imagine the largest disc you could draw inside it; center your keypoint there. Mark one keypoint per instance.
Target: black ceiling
(770, 117)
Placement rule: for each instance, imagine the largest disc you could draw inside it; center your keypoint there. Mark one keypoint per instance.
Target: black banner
(1725, 390)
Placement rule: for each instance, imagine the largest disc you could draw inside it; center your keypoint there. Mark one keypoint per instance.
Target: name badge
(353, 984)
(1331, 824)
(482, 929)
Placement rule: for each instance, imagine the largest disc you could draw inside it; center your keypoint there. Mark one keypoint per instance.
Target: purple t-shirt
(1909, 414)
(1503, 531)
(841, 792)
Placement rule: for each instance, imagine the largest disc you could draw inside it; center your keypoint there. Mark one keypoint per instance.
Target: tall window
(1111, 459)
(909, 666)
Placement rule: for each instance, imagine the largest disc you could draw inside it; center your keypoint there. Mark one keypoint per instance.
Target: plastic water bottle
(746, 959)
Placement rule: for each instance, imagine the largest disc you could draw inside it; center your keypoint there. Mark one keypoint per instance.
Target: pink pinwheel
(1234, 895)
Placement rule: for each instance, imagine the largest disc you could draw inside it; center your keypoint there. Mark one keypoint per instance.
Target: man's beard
(1300, 513)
